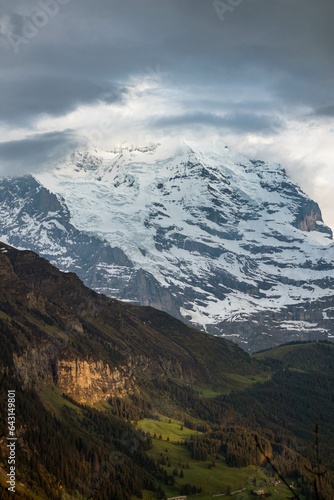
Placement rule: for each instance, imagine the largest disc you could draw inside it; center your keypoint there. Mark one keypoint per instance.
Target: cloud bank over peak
(259, 75)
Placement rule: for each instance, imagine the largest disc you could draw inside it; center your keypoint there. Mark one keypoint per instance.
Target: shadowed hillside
(114, 400)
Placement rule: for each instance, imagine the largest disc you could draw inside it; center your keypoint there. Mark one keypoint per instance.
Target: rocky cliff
(92, 347)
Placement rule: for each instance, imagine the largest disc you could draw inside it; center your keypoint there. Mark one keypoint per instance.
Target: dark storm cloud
(233, 121)
(17, 157)
(327, 111)
(279, 51)
(31, 95)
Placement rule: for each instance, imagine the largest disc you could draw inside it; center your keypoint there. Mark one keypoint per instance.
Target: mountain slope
(227, 244)
(33, 217)
(63, 345)
(91, 345)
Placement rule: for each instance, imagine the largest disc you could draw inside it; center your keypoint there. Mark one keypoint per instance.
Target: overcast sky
(259, 74)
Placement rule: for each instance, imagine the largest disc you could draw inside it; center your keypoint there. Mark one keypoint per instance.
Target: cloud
(151, 67)
(35, 152)
(22, 100)
(325, 111)
(91, 49)
(243, 122)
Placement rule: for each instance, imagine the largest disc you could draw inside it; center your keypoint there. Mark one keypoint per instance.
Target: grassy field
(239, 382)
(282, 351)
(165, 429)
(311, 357)
(232, 382)
(213, 481)
(209, 393)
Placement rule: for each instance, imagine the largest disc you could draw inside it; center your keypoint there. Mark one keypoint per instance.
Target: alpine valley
(229, 245)
(114, 401)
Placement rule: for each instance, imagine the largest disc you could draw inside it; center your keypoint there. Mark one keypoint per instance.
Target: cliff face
(92, 347)
(91, 381)
(308, 216)
(309, 222)
(84, 380)
(88, 380)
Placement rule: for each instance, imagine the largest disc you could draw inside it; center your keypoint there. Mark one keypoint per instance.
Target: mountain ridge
(225, 243)
(72, 328)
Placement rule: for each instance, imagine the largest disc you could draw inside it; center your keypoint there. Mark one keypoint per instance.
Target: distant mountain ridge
(227, 244)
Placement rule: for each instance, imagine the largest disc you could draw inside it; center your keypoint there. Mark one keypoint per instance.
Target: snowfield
(227, 237)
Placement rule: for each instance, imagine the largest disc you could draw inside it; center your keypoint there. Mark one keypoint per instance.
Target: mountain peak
(228, 244)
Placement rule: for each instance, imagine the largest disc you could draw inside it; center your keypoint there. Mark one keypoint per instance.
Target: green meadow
(214, 480)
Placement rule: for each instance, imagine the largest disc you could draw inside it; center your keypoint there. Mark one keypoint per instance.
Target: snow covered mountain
(228, 244)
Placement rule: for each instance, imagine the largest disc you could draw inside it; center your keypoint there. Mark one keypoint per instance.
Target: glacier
(225, 243)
